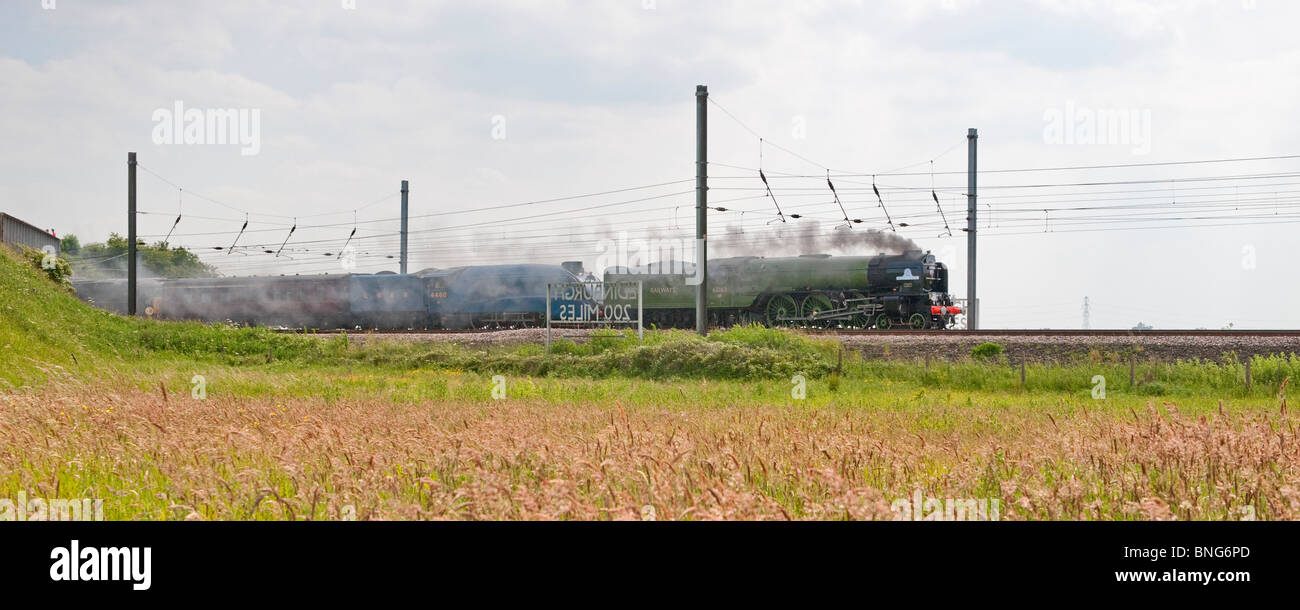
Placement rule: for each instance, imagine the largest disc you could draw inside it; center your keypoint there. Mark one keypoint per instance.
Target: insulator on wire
(941, 214)
(769, 194)
(241, 233)
(837, 200)
(286, 238)
(882, 204)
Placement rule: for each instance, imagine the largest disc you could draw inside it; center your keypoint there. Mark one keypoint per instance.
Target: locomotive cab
(936, 275)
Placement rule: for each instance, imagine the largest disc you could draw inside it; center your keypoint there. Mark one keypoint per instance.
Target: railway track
(896, 332)
(1070, 333)
(387, 331)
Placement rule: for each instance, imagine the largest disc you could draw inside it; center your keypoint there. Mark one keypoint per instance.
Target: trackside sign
(593, 304)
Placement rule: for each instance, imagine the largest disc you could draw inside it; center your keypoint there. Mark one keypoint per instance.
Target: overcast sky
(484, 104)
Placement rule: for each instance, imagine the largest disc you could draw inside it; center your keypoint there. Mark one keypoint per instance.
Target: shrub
(1153, 388)
(565, 346)
(987, 351)
(55, 268)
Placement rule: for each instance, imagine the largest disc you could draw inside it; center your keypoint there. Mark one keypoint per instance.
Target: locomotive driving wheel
(917, 321)
(780, 306)
(861, 319)
(814, 307)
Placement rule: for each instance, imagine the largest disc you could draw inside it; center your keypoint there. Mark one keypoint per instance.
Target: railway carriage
(293, 301)
(388, 301)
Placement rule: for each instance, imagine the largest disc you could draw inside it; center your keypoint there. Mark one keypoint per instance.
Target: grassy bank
(44, 330)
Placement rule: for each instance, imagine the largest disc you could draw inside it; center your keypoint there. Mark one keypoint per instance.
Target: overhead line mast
(130, 234)
(972, 304)
(701, 208)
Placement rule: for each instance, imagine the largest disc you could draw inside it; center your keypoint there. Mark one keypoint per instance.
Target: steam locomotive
(813, 290)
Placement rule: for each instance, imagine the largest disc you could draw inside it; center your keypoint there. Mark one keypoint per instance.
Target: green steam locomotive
(817, 290)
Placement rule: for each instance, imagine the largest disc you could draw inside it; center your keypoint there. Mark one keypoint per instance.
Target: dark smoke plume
(808, 237)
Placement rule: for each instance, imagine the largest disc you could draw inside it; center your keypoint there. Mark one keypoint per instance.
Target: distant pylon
(1087, 321)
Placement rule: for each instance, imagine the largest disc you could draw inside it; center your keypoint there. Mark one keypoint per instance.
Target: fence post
(1022, 372)
(1247, 374)
(1132, 371)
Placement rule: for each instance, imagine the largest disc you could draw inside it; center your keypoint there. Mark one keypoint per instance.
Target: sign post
(596, 303)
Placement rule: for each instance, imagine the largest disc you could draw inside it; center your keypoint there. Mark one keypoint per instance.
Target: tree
(174, 262)
(1142, 326)
(70, 245)
(108, 260)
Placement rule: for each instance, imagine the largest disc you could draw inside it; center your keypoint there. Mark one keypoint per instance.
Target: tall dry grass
(152, 457)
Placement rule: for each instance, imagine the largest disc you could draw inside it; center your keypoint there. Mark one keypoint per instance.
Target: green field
(677, 427)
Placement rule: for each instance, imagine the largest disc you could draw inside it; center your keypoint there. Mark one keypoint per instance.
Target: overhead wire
(1166, 206)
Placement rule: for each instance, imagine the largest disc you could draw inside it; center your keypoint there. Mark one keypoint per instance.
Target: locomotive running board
(837, 314)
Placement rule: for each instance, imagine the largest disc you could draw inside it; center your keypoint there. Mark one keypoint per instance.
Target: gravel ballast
(1040, 348)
